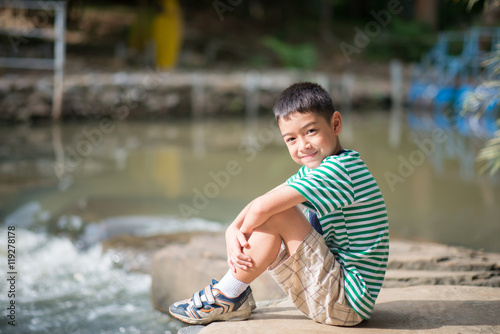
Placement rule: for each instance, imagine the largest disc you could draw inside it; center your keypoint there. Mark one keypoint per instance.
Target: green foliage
(490, 154)
(476, 103)
(301, 56)
(404, 39)
(459, 13)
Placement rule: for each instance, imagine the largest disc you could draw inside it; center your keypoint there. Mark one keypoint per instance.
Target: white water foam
(60, 289)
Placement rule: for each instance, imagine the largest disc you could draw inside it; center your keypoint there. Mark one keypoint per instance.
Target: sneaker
(210, 305)
(251, 301)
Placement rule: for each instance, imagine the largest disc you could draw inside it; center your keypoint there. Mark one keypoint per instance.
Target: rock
(420, 263)
(145, 93)
(38, 105)
(400, 278)
(191, 329)
(422, 309)
(179, 270)
(134, 253)
(405, 254)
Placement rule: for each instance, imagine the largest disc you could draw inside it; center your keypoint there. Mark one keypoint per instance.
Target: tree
(426, 11)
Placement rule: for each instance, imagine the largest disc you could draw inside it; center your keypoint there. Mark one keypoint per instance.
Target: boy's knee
(267, 227)
(292, 214)
(283, 220)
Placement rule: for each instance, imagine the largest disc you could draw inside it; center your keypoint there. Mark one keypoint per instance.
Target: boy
(333, 265)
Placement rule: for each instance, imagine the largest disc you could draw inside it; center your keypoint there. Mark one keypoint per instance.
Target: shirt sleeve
(327, 188)
(300, 173)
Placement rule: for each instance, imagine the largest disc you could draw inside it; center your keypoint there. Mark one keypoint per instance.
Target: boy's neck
(339, 149)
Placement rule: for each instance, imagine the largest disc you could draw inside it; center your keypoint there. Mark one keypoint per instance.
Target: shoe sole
(251, 302)
(230, 316)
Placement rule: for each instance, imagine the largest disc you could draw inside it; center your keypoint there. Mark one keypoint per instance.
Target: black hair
(304, 97)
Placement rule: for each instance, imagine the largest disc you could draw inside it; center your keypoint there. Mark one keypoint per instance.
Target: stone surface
(405, 254)
(429, 288)
(418, 263)
(420, 309)
(400, 278)
(151, 93)
(191, 329)
(135, 253)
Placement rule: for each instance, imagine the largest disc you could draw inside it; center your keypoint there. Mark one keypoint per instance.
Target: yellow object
(167, 34)
(167, 171)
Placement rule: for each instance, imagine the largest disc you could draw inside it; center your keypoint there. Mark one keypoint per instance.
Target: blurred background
(127, 124)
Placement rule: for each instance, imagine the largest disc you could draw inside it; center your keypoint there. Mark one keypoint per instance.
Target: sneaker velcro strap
(209, 295)
(197, 300)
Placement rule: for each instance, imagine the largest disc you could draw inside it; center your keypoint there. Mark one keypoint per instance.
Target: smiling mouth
(310, 155)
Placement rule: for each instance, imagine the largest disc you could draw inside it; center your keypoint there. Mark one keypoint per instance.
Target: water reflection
(445, 198)
(212, 168)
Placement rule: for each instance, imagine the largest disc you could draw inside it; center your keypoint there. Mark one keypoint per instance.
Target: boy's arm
(236, 240)
(269, 204)
(238, 221)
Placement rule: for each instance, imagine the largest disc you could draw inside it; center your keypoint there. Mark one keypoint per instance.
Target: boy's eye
(311, 131)
(289, 140)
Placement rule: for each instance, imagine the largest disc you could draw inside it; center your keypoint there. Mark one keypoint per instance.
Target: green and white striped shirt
(353, 216)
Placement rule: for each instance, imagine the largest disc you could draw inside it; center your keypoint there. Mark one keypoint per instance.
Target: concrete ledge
(429, 288)
(177, 93)
(419, 309)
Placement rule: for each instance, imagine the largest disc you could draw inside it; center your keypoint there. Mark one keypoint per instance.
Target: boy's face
(310, 138)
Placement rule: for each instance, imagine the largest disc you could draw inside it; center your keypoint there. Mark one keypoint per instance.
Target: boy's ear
(336, 122)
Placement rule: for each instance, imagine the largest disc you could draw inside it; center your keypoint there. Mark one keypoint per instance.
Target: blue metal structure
(453, 72)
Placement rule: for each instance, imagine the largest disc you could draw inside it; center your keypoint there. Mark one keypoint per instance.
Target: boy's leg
(314, 279)
(211, 304)
(289, 226)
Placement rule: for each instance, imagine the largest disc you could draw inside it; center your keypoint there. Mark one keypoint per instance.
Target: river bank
(153, 94)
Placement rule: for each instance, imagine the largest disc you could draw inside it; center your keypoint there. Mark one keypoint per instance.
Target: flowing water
(65, 188)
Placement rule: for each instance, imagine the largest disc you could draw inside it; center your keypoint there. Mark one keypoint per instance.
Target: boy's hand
(235, 242)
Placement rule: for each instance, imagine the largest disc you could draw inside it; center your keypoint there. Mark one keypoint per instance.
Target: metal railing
(57, 34)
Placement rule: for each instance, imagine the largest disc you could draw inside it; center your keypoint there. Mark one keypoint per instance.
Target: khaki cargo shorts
(315, 282)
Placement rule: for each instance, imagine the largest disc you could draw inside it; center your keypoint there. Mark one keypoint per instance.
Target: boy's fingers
(245, 260)
(242, 240)
(239, 259)
(244, 257)
(233, 267)
(242, 266)
(239, 262)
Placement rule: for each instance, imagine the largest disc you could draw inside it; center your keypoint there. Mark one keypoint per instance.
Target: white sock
(230, 286)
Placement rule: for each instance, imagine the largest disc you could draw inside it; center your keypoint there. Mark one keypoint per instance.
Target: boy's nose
(305, 145)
